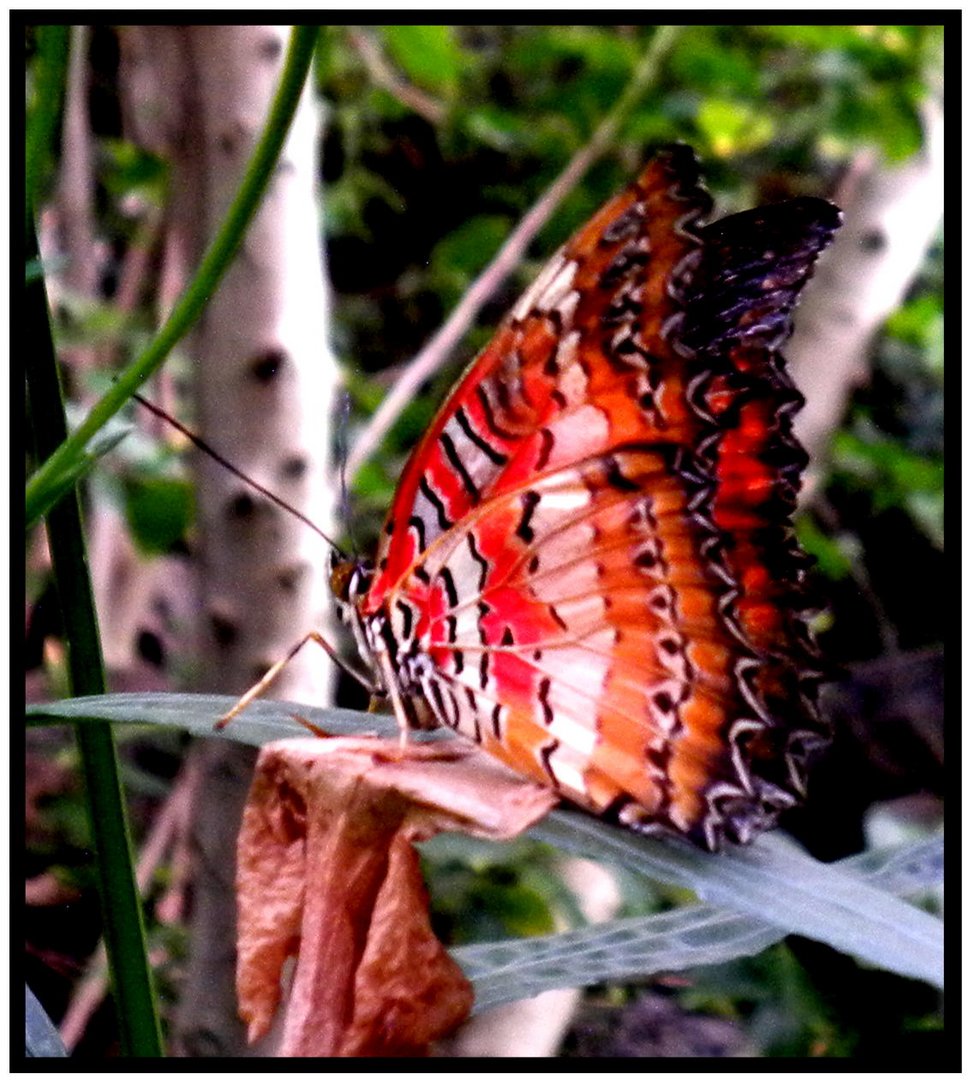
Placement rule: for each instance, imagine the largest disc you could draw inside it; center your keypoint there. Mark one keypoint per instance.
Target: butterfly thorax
(393, 654)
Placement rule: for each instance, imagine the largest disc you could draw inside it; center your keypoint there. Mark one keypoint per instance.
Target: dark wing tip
(753, 267)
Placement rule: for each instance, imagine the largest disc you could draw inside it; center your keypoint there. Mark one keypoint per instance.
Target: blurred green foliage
(414, 209)
(431, 56)
(486, 892)
(159, 511)
(789, 1012)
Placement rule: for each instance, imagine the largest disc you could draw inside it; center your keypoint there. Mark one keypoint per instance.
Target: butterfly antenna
(343, 420)
(216, 456)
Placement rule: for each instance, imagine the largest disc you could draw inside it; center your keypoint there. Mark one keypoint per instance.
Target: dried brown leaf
(328, 874)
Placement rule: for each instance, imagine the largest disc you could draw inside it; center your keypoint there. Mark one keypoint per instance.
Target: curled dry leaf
(328, 874)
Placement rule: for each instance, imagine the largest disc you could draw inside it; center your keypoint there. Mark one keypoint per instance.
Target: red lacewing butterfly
(588, 567)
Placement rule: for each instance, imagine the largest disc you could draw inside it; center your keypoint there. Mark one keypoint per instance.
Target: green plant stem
(48, 482)
(121, 906)
(50, 75)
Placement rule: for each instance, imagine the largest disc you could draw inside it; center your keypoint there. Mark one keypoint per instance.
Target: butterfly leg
(405, 717)
(273, 673)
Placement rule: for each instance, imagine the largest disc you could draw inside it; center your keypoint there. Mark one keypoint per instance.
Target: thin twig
(436, 351)
(383, 75)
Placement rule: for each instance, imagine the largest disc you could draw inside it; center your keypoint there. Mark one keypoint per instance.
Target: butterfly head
(349, 580)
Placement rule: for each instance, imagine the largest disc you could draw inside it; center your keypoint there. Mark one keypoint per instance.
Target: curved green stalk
(120, 904)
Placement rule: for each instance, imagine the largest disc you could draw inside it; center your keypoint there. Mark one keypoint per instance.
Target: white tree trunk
(264, 378)
(891, 216)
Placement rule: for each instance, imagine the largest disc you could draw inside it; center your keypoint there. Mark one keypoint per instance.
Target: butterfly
(588, 567)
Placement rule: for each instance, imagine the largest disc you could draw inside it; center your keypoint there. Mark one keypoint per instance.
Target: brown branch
(432, 356)
(384, 76)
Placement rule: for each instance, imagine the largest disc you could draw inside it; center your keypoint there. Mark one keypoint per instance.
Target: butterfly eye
(341, 576)
(360, 579)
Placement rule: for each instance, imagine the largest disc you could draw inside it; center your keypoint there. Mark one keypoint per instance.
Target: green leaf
(42, 1039)
(463, 253)
(122, 921)
(45, 90)
(895, 477)
(815, 37)
(430, 55)
(598, 47)
(500, 129)
(706, 64)
(261, 722)
(868, 111)
(775, 883)
(73, 469)
(919, 322)
(485, 902)
(831, 898)
(927, 509)
(887, 463)
(159, 511)
(733, 127)
(130, 169)
(834, 561)
(753, 895)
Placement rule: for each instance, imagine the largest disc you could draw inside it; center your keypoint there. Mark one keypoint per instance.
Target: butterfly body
(588, 567)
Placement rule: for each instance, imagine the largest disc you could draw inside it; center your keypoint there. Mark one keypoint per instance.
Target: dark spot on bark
(270, 48)
(289, 576)
(267, 365)
(150, 648)
(872, 241)
(242, 507)
(294, 467)
(259, 670)
(228, 143)
(224, 631)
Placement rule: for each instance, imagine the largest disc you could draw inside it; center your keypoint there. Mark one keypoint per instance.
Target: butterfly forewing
(588, 567)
